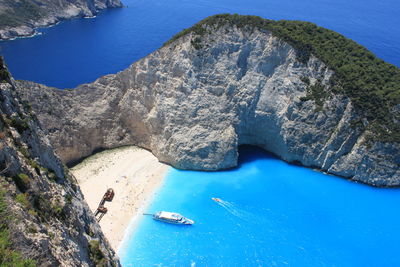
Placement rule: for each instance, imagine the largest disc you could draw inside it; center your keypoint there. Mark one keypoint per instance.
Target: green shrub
(305, 80)
(32, 212)
(46, 209)
(22, 181)
(24, 151)
(19, 124)
(58, 211)
(318, 93)
(9, 257)
(196, 42)
(51, 235)
(35, 165)
(23, 200)
(95, 253)
(43, 207)
(4, 74)
(32, 229)
(7, 121)
(4, 216)
(68, 198)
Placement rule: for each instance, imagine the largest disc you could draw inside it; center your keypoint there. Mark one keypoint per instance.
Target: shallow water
(272, 214)
(81, 50)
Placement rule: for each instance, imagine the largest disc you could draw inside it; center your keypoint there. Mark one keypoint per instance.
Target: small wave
(235, 210)
(35, 33)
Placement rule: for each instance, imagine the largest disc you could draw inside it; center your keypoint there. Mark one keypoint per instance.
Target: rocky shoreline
(50, 15)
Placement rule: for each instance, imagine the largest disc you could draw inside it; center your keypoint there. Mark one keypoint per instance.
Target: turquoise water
(273, 214)
(81, 50)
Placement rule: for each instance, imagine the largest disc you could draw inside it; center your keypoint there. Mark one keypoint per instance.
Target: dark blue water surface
(81, 50)
(272, 214)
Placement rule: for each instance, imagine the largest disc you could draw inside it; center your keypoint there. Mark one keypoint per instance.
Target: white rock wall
(192, 108)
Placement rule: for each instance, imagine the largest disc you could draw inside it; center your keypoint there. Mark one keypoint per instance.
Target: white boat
(216, 199)
(171, 217)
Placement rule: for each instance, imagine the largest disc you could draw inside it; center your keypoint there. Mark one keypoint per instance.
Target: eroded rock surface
(43, 216)
(195, 100)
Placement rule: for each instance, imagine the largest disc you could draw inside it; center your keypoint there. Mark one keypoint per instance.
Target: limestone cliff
(21, 17)
(195, 100)
(44, 220)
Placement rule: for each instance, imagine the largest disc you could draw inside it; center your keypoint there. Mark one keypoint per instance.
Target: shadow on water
(250, 153)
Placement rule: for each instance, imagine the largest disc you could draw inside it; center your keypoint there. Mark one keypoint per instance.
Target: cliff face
(44, 220)
(21, 17)
(195, 100)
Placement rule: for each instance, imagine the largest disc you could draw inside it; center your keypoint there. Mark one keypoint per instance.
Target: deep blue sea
(272, 214)
(81, 50)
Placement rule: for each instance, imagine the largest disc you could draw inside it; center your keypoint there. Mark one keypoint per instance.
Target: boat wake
(235, 210)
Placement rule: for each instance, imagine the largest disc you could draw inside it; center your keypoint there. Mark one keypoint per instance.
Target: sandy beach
(135, 175)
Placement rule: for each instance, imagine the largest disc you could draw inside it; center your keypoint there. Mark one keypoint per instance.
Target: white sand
(135, 175)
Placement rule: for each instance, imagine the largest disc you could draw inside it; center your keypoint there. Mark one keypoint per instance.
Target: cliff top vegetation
(17, 13)
(372, 84)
